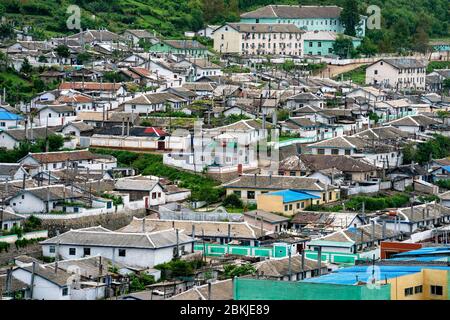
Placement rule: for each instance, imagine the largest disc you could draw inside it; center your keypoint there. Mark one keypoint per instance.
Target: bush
(231, 270)
(4, 246)
(379, 202)
(232, 201)
(178, 268)
(444, 183)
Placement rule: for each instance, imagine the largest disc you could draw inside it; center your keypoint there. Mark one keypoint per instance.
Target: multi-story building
(259, 39)
(400, 73)
(320, 43)
(308, 18)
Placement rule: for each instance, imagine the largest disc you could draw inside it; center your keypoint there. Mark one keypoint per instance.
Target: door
(161, 145)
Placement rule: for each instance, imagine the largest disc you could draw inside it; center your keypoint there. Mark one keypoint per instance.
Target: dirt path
(332, 71)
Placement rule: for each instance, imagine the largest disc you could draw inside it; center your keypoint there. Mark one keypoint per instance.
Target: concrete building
(259, 39)
(397, 73)
(286, 202)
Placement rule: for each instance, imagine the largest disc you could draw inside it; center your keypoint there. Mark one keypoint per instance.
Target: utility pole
(33, 270)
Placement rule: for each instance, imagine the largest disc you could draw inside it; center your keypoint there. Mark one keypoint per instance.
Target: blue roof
(351, 275)
(293, 195)
(5, 115)
(427, 251)
(446, 168)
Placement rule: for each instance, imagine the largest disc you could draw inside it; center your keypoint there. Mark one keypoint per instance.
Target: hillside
(402, 20)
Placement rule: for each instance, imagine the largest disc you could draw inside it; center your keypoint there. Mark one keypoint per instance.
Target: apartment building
(259, 39)
(400, 73)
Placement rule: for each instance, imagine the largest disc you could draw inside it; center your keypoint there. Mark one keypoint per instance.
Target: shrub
(232, 201)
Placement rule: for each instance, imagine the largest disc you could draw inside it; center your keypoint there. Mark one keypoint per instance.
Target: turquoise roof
(293, 195)
(5, 115)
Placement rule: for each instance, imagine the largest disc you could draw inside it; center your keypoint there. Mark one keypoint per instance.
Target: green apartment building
(320, 43)
(308, 18)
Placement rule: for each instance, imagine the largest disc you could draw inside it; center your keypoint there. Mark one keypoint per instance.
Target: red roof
(158, 132)
(98, 86)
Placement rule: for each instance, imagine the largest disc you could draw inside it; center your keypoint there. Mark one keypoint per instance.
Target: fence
(29, 235)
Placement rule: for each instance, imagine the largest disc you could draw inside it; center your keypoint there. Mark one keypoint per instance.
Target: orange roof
(105, 86)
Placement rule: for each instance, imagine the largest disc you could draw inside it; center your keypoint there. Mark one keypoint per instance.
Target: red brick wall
(389, 248)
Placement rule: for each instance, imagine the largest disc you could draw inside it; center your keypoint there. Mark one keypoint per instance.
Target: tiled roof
(265, 28)
(294, 12)
(276, 183)
(320, 162)
(61, 156)
(91, 86)
(280, 267)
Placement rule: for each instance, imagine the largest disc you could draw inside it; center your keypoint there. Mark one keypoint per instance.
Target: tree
(84, 57)
(232, 201)
(62, 51)
(343, 47)
(446, 85)
(26, 67)
(6, 31)
(350, 17)
(421, 40)
(367, 47)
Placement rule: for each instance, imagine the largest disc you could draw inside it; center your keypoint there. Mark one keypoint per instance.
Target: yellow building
(287, 202)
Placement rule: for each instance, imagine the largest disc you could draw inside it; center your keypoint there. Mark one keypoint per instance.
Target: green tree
(350, 17)
(26, 67)
(446, 85)
(367, 47)
(84, 57)
(232, 201)
(62, 51)
(6, 31)
(343, 47)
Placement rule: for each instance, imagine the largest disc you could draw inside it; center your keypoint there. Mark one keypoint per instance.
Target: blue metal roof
(5, 115)
(446, 168)
(424, 251)
(351, 275)
(293, 195)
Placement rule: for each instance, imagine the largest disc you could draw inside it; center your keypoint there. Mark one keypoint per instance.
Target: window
(292, 173)
(319, 44)
(303, 205)
(409, 291)
(86, 251)
(436, 290)
(347, 152)
(320, 151)
(250, 194)
(52, 249)
(2, 124)
(310, 44)
(122, 252)
(290, 207)
(324, 196)
(286, 207)
(375, 71)
(65, 291)
(72, 251)
(334, 151)
(418, 289)
(330, 195)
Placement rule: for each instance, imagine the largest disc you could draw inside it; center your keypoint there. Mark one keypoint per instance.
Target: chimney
(143, 225)
(254, 179)
(229, 232)
(383, 230)
(193, 236)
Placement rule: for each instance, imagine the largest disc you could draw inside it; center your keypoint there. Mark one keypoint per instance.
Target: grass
(357, 75)
(438, 65)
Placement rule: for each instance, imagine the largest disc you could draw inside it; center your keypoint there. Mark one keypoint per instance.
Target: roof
(91, 86)
(294, 12)
(136, 184)
(10, 216)
(61, 156)
(5, 115)
(315, 162)
(80, 125)
(342, 142)
(240, 230)
(9, 169)
(36, 133)
(140, 33)
(325, 36)
(276, 182)
(353, 275)
(52, 192)
(280, 267)
(95, 35)
(414, 121)
(203, 63)
(185, 44)
(62, 108)
(220, 290)
(292, 195)
(332, 219)
(265, 28)
(198, 86)
(154, 98)
(106, 238)
(266, 216)
(405, 63)
(60, 278)
(383, 133)
(445, 195)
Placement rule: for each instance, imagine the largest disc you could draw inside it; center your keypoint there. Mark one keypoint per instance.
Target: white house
(45, 161)
(140, 187)
(154, 102)
(397, 73)
(12, 171)
(55, 115)
(142, 249)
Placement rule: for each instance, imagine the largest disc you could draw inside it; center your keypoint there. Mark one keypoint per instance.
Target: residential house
(325, 222)
(55, 115)
(305, 99)
(9, 120)
(96, 89)
(286, 202)
(143, 249)
(414, 124)
(207, 31)
(191, 48)
(249, 187)
(12, 171)
(140, 187)
(9, 220)
(11, 139)
(270, 221)
(135, 36)
(154, 102)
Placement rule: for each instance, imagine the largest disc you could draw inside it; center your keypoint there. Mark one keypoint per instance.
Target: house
(80, 101)
(96, 89)
(199, 68)
(271, 222)
(207, 31)
(11, 139)
(208, 231)
(77, 129)
(309, 18)
(191, 48)
(109, 119)
(139, 35)
(92, 37)
(200, 88)
(12, 171)
(420, 217)
(9, 120)
(249, 187)
(55, 115)
(286, 202)
(154, 102)
(370, 94)
(414, 124)
(303, 99)
(307, 164)
(217, 290)
(294, 268)
(140, 187)
(397, 73)
(381, 155)
(45, 161)
(445, 199)
(142, 249)
(9, 220)
(435, 79)
(15, 288)
(259, 39)
(325, 222)
(320, 43)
